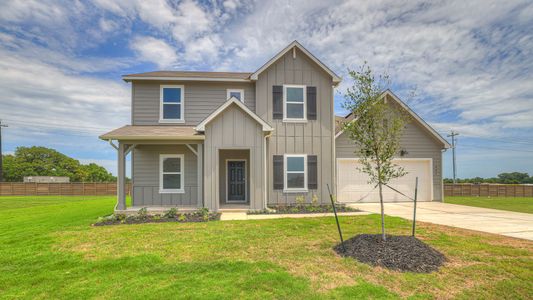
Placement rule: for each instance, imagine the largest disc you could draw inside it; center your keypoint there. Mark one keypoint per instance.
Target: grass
(518, 204)
(48, 250)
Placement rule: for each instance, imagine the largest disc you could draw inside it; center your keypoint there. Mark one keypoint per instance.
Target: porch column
(200, 171)
(121, 177)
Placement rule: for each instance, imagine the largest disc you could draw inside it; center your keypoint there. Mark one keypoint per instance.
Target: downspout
(441, 175)
(333, 144)
(265, 173)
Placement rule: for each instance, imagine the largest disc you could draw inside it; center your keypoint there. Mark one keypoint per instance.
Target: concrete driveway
(513, 224)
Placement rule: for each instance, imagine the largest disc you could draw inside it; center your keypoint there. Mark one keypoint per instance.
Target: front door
(236, 181)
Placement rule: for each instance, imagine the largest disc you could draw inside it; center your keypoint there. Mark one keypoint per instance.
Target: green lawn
(519, 204)
(48, 250)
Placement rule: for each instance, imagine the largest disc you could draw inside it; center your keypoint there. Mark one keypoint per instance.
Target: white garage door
(352, 184)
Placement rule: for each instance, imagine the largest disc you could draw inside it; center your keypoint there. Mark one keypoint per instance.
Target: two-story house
(243, 140)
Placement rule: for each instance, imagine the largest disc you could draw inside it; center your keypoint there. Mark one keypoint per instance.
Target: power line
(1, 156)
(494, 148)
(453, 134)
(507, 140)
(56, 125)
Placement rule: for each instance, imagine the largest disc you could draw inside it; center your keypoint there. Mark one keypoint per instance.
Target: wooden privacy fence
(60, 189)
(491, 190)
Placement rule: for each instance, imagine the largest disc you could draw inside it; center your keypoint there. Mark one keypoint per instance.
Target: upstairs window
(295, 172)
(171, 103)
(171, 173)
(239, 94)
(294, 99)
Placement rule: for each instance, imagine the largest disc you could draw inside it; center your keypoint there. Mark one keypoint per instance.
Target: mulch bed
(303, 209)
(180, 218)
(401, 253)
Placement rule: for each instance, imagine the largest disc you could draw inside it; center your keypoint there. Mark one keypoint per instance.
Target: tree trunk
(382, 212)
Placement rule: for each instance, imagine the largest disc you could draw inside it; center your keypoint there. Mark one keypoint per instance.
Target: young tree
(376, 129)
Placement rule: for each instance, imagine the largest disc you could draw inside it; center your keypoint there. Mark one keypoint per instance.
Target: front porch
(166, 167)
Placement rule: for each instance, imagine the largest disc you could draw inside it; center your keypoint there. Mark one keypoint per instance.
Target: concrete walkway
(513, 224)
(244, 216)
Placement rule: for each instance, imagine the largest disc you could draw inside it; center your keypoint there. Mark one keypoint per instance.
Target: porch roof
(153, 132)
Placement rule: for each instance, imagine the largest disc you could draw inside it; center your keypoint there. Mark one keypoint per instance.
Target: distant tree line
(507, 178)
(42, 161)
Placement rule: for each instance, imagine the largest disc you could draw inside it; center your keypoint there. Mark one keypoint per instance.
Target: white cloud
(47, 96)
(37, 11)
(191, 20)
(204, 49)
(154, 50)
(471, 61)
(107, 25)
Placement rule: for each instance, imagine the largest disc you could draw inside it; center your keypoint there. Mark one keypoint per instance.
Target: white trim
(181, 190)
(430, 160)
(245, 180)
(255, 76)
(192, 149)
(181, 104)
(432, 131)
(113, 144)
(169, 78)
(201, 126)
(420, 120)
(304, 92)
(128, 150)
(228, 91)
(153, 138)
(294, 190)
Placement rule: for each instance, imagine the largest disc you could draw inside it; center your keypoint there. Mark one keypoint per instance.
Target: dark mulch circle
(401, 253)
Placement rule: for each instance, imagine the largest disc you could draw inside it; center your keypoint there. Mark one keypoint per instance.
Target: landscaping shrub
(300, 208)
(172, 215)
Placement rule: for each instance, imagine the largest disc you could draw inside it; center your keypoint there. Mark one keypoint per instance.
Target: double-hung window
(294, 102)
(171, 173)
(295, 172)
(171, 104)
(237, 93)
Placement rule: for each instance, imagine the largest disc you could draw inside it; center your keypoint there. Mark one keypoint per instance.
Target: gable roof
(417, 118)
(335, 77)
(220, 109)
(189, 76)
(227, 76)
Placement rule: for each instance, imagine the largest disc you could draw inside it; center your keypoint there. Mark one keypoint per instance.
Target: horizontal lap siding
(201, 99)
(146, 177)
(312, 138)
(416, 141)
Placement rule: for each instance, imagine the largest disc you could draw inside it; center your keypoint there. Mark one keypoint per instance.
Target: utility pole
(453, 135)
(1, 157)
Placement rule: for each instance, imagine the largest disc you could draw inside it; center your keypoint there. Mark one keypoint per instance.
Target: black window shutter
(311, 103)
(277, 102)
(312, 172)
(278, 172)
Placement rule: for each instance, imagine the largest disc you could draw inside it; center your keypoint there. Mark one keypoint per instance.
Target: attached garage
(421, 156)
(353, 186)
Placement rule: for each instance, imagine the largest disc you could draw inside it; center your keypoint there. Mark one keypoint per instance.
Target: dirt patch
(401, 253)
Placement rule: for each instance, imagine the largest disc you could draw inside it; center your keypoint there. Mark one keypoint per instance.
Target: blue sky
(470, 62)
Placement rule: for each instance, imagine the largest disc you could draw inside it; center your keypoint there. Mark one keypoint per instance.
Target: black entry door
(236, 181)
